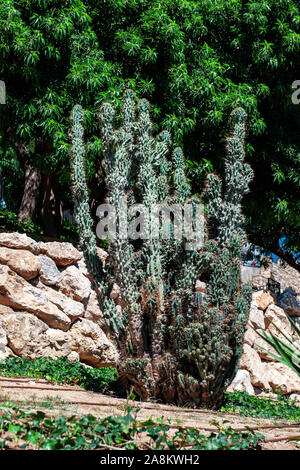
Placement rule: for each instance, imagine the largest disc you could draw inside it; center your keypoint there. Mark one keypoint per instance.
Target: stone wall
(47, 304)
(259, 371)
(48, 308)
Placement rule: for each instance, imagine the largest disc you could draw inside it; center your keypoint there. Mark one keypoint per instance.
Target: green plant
(9, 221)
(249, 405)
(60, 371)
(175, 344)
(289, 350)
(37, 431)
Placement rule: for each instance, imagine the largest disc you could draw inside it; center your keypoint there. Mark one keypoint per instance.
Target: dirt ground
(70, 400)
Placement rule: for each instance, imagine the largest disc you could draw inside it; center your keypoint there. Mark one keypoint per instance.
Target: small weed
(249, 405)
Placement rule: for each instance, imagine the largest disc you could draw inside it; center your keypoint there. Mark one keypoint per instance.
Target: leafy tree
(195, 61)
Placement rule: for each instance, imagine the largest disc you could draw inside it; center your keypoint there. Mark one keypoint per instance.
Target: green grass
(249, 405)
(61, 371)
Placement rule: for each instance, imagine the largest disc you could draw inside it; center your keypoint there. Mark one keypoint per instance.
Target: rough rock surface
(251, 362)
(37, 339)
(74, 284)
(22, 262)
(256, 317)
(3, 337)
(19, 240)
(262, 300)
(49, 273)
(92, 345)
(93, 311)
(63, 253)
(274, 315)
(5, 352)
(18, 293)
(241, 382)
(69, 306)
(283, 377)
(73, 357)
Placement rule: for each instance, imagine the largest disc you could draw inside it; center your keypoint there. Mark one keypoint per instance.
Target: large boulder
(20, 241)
(5, 351)
(262, 300)
(3, 337)
(241, 383)
(275, 315)
(63, 253)
(49, 273)
(28, 336)
(22, 262)
(93, 311)
(92, 345)
(251, 362)
(16, 292)
(75, 284)
(69, 306)
(282, 377)
(256, 317)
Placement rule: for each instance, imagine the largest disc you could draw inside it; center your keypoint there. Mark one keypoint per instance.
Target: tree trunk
(50, 205)
(30, 194)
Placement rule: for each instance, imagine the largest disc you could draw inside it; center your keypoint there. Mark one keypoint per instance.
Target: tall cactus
(176, 344)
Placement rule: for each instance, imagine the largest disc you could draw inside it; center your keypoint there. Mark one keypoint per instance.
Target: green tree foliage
(196, 61)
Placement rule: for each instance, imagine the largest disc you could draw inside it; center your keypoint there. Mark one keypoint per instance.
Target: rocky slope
(48, 308)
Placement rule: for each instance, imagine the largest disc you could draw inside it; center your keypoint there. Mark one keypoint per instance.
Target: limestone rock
(81, 265)
(69, 306)
(49, 274)
(63, 253)
(263, 348)
(92, 345)
(36, 339)
(4, 310)
(250, 336)
(289, 302)
(251, 362)
(276, 315)
(18, 293)
(295, 397)
(283, 377)
(73, 357)
(22, 262)
(241, 383)
(200, 286)
(256, 317)
(5, 351)
(74, 284)
(3, 337)
(262, 300)
(93, 311)
(19, 240)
